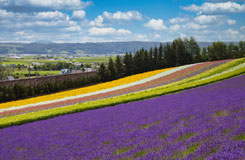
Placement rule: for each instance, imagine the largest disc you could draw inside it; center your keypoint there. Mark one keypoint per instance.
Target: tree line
(179, 52)
(20, 91)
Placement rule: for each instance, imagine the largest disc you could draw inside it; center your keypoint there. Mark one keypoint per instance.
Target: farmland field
(150, 117)
(205, 122)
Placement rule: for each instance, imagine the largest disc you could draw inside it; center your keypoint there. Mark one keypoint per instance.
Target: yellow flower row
(83, 90)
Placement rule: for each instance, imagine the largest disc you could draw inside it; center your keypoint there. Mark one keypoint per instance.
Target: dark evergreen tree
(151, 63)
(182, 56)
(112, 69)
(119, 66)
(169, 55)
(160, 57)
(102, 72)
(217, 51)
(128, 64)
(145, 61)
(232, 51)
(204, 54)
(155, 58)
(194, 50)
(138, 62)
(241, 45)
(131, 69)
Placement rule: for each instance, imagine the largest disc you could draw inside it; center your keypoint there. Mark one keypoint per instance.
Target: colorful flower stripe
(83, 90)
(150, 84)
(132, 97)
(167, 71)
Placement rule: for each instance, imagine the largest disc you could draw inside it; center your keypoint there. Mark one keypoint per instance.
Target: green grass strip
(188, 83)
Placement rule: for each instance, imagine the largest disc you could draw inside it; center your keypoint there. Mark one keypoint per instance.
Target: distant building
(37, 63)
(15, 57)
(13, 65)
(65, 71)
(10, 78)
(87, 69)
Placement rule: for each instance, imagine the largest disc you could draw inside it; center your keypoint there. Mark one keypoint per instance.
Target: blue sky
(121, 20)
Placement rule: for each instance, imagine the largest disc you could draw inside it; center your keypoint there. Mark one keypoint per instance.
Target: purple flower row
(202, 123)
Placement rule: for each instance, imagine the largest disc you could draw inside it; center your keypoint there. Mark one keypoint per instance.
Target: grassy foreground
(215, 74)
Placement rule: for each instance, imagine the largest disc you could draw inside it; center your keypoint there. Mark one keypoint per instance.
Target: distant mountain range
(102, 48)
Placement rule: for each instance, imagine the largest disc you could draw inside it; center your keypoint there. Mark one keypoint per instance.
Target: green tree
(102, 72)
(128, 64)
(169, 56)
(160, 56)
(145, 61)
(217, 51)
(204, 54)
(119, 66)
(112, 69)
(138, 62)
(194, 50)
(151, 63)
(232, 51)
(182, 56)
(155, 58)
(241, 45)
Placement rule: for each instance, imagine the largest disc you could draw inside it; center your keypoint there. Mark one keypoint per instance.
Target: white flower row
(165, 73)
(226, 71)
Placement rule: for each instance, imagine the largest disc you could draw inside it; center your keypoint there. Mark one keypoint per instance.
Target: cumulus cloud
(117, 16)
(243, 28)
(175, 27)
(73, 29)
(155, 24)
(98, 21)
(178, 20)
(127, 16)
(107, 31)
(231, 21)
(52, 4)
(214, 20)
(6, 14)
(79, 14)
(50, 15)
(206, 19)
(222, 7)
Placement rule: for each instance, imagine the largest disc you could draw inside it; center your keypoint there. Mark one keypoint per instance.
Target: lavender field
(202, 123)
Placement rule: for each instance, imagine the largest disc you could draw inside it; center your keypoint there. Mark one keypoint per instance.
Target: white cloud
(175, 27)
(79, 14)
(155, 24)
(97, 21)
(243, 28)
(73, 29)
(23, 35)
(50, 15)
(107, 31)
(5, 14)
(55, 4)
(214, 20)
(194, 26)
(222, 7)
(231, 34)
(157, 36)
(206, 19)
(141, 37)
(231, 21)
(130, 15)
(178, 20)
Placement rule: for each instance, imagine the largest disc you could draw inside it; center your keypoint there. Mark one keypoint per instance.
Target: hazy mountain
(45, 47)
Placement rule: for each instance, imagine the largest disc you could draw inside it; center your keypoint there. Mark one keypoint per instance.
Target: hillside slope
(133, 88)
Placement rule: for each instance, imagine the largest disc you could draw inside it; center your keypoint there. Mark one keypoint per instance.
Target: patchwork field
(199, 123)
